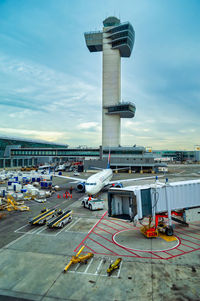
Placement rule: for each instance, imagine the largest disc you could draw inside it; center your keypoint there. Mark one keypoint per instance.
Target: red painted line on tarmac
(196, 225)
(110, 227)
(151, 252)
(167, 253)
(93, 251)
(117, 224)
(103, 237)
(102, 246)
(194, 243)
(188, 246)
(188, 235)
(81, 243)
(113, 231)
(118, 219)
(104, 230)
(189, 230)
(184, 252)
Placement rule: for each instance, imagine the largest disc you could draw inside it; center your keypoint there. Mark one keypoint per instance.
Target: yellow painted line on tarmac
(167, 238)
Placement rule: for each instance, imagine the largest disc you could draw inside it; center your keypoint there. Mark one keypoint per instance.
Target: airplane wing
(71, 178)
(98, 168)
(133, 179)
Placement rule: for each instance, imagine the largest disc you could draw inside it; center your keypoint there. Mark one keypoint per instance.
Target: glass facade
(57, 152)
(175, 155)
(122, 38)
(123, 152)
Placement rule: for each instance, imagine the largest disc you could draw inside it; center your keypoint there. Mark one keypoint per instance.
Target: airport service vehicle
(98, 181)
(60, 167)
(43, 217)
(43, 168)
(76, 173)
(62, 218)
(92, 204)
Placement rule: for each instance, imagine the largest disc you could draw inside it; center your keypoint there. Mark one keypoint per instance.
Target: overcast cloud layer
(50, 84)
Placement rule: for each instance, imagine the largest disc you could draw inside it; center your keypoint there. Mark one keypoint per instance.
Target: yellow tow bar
(113, 266)
(78, 259)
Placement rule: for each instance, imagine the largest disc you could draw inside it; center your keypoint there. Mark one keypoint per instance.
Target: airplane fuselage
(96, 182)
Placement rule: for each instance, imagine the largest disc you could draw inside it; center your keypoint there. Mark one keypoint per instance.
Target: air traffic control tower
(116, 41)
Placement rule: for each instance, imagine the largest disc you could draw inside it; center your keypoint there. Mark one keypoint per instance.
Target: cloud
(89, 126)
(34, 85)
(43, 135)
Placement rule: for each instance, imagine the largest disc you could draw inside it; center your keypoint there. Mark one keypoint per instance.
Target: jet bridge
(138, 202)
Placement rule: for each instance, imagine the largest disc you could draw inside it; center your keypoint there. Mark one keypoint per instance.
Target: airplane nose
(90, 190)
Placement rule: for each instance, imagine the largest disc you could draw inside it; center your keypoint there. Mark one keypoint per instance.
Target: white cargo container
(16, 187)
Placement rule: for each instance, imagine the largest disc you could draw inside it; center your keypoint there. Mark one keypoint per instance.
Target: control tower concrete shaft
(115, 41)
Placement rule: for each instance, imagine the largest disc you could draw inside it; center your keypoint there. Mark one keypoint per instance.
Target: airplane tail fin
(108, 165)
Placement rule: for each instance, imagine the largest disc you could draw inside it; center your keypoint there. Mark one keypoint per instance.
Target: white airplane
(98, 181)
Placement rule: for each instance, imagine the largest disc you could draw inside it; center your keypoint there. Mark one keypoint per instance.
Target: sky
(51, 85)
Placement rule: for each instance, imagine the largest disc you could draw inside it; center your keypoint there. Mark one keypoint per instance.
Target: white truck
(92, 203)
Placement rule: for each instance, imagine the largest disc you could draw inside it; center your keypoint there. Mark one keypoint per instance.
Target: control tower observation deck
(115, 41)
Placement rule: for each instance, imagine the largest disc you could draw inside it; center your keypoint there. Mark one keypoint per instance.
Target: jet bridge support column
(168, 205)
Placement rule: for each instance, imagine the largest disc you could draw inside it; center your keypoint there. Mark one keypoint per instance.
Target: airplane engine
(118, 185)
(81, 187)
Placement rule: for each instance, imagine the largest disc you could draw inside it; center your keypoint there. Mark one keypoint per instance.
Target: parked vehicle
(92, 203)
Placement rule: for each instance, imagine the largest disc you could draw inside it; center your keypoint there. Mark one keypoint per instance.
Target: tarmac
(32, 259)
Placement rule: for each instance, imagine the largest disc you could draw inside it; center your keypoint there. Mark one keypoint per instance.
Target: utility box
(191, 215)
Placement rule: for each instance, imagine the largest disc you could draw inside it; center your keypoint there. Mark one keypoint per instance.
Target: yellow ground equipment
(10, 204)
(43, 217)
(114, 266)
(159, 227)
(148, 230)
(78, 259)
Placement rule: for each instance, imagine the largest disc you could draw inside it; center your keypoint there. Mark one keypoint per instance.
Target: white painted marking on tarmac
(98, 268)
(14, 241)
(92, 274)
(144, 250)
(93, 226)
(78, 265)
(60, 231)
(35, 230)
(87, 268)
(73, 224)
(20, 229)
(38, 232)
(119, 270)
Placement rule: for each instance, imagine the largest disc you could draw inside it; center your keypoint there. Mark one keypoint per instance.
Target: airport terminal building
(16, 152)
